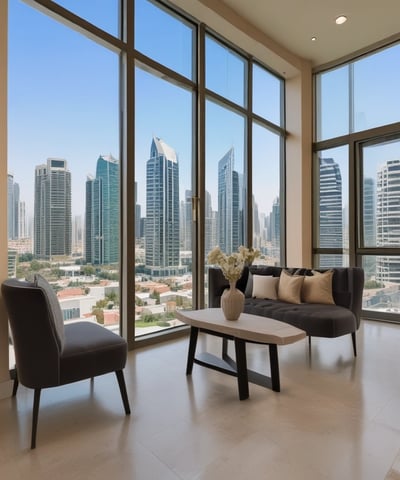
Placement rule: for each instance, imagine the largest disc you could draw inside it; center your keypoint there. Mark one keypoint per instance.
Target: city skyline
(97, 186)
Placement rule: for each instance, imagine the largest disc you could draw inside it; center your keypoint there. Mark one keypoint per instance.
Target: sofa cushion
(317, 288)
(315, 319)
(290, 286)
(265, 286)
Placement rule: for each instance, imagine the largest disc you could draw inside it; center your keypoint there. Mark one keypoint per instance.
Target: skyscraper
(388, 219)
(138, 216)
(210, 225)
(102, 213)
(52, 209)
(186, 222)
(162, 211)
(369, 222)
(330, 213)
(275, 225)
(77, 235)
(12, 208)
(228, 204)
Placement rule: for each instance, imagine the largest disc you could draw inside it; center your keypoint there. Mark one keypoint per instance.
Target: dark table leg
(273, 359)
(241, 365)
(194, 332)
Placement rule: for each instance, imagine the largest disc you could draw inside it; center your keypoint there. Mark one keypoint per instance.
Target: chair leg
(35, 415)
(353, 337)
(14, 377)
(122, 388)
(309, 344)
(15, 387)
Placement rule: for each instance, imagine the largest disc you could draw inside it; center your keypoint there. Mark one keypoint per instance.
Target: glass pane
(381, 288)
(379, 74)
(65, 119)
(332, 98)
(267, 95)
(266, 204)
(104, 14)
(225, 183)
(327, 261)
(225, 72)
(163, 251)
(332, 202)
(164, 37)
(225, 196)
(381, 194)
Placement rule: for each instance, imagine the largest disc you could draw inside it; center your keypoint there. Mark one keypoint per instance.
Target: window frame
(354, 141)
(123, 45)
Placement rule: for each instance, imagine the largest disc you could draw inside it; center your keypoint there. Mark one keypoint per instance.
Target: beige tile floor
(336, 417)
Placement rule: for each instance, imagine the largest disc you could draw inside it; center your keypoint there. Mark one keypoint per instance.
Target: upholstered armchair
(49, 353)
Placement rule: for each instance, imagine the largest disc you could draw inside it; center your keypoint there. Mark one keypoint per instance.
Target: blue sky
(63, 101)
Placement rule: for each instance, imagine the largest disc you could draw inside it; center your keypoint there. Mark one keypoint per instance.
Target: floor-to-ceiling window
(63, 161)
(134, 100)
(356, 175)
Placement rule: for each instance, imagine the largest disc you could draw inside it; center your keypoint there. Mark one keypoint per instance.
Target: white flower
(232, 265)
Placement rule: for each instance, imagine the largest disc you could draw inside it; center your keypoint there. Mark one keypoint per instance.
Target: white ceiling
(292, 23)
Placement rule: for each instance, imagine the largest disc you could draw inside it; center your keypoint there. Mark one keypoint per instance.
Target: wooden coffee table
(248, 328)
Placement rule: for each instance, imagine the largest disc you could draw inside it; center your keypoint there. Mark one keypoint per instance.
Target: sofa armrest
(356, 286)
(217, 283)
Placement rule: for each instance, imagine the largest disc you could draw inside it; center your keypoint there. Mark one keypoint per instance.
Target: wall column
(299, 169)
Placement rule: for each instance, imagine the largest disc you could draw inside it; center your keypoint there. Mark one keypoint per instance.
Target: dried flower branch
(232, 265)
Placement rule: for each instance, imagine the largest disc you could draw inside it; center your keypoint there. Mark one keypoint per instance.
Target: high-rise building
(22, 226)
(369, 223)
(369, 207)
(52, 209)
(102, 213)
(186, 222)
(138, 216)
(210, 225)
(275, 226)
(256, 225)
(229, 214)
(388, 220)
(77, 235)
(12, 208)
(331, 212)
(162, 211)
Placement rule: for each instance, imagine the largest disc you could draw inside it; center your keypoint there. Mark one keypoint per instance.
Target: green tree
(156, 296)
(88, 270)
(373, 284)
(35, 266)
(99, 314)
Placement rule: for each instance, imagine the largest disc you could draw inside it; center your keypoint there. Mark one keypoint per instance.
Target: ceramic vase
(232, 302)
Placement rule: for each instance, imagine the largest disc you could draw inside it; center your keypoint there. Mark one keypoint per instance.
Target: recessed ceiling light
(341, 19)
(313, 39)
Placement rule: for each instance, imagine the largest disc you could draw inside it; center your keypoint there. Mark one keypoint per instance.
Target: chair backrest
(37, 330)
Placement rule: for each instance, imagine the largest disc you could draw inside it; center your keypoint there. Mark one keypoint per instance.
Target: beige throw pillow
(290, 287)
(265, 286)
(318, 288)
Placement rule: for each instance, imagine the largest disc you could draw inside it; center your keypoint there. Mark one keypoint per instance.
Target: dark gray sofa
(317, 320)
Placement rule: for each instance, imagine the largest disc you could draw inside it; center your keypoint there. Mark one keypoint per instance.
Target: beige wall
(299, 169)
(5, 384)
(299, 125)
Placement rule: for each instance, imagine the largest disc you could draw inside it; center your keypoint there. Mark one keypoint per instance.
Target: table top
(248, 327)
